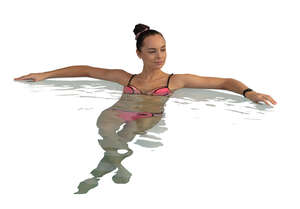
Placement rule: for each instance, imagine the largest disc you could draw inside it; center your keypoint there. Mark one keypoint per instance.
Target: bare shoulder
(188, 80)
(122, 77)
(176, 82)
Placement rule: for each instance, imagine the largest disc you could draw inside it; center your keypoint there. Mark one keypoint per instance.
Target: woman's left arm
(230, 84)
(238, 87)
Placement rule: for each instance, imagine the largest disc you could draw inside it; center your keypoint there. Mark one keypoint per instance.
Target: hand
(257, 97)
(33, 76)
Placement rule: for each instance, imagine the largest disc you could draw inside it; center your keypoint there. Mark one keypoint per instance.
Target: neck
(151, 73)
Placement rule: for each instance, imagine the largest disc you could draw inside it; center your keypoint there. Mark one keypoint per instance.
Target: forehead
(155, 41)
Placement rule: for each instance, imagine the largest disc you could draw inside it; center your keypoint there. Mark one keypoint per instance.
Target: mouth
(159, 63)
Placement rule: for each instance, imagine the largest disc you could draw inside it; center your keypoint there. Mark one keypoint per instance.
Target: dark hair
(141, 27)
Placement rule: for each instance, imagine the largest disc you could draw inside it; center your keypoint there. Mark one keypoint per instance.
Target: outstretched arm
(195, 81)
(115, 75)
(72, 71)
(238, 87)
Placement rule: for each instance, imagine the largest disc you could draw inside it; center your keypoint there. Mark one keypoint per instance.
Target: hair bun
(141, 32)
(140, 28)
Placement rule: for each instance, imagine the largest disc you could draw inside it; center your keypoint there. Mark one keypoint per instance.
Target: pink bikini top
(161, 91)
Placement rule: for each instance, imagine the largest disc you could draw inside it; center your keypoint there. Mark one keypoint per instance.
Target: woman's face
(153, 52)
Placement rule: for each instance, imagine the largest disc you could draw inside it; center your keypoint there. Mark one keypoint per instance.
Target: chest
(171, 82)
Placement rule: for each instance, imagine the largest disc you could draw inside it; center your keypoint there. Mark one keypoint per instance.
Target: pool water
(63, 145)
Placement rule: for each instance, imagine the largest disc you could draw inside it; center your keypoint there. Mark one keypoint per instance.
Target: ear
(138, 53)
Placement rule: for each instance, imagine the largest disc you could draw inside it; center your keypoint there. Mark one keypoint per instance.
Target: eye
(154, 51)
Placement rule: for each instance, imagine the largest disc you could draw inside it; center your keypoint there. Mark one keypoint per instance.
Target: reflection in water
(118, 125)
(134, 114)
(190, 98)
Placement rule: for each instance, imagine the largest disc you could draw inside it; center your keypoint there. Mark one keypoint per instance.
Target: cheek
(150, 57)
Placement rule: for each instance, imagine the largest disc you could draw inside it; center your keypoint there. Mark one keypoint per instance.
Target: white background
(256, 42)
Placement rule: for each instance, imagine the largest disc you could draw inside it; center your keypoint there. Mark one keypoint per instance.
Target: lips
(158, 62)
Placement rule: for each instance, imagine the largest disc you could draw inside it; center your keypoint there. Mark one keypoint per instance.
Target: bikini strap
(169, 80)
(130, 79)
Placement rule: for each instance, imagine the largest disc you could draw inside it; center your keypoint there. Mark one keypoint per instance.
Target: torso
(148, 86)
(144, 102)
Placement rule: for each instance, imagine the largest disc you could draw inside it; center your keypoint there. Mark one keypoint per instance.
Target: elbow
(89, 70)
(228, 83)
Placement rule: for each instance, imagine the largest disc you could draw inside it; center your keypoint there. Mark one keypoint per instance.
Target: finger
(266, 102)
(268, 99)
(271, 99)
(22, 77)
(262, 100)
(26, 77)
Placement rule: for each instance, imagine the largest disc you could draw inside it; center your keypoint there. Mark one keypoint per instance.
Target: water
(210, 149)
(208, 146)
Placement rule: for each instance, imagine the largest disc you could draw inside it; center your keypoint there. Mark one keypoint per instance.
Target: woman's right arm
(116, 75)
(72, 71)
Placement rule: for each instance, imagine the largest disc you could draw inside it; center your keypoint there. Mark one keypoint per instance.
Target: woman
(138, 114)
(151, 48)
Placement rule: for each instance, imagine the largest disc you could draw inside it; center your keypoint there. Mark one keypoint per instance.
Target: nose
(159, 55)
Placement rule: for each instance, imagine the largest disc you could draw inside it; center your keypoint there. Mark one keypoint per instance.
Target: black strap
(130, 79)
(169, 79)
(135, 74)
